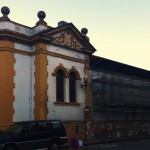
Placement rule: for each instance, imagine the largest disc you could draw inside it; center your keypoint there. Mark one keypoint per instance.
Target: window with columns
(67, 84)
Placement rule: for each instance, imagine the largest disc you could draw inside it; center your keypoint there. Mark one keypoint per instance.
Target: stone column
(66, 89)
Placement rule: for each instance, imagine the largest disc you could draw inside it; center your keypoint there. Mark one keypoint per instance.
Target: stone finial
(84, 32)
(5, 11)
(41, 15)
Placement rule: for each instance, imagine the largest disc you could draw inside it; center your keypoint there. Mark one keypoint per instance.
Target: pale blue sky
(118, 29)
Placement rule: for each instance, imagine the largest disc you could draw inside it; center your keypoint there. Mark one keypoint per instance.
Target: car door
(30, 138)
(43, 134)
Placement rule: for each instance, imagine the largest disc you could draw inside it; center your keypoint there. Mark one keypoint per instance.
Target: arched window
(60, 85)
(72, 86)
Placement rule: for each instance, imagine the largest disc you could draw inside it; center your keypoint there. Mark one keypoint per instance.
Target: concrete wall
(24, 81)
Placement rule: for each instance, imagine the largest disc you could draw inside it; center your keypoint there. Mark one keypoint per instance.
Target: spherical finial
(84, 31)
(5, 10)
(41, 15)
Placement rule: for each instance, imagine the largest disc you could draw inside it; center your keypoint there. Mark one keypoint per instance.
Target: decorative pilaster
(41, 85)
(7, 85)
(88, 95)
(87, 71)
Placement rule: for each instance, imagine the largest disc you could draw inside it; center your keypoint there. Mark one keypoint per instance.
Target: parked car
(31, 135)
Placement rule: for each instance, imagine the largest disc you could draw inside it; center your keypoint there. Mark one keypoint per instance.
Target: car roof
(37, 121)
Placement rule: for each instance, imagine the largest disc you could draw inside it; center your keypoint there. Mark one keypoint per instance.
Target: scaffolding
(120, 104)
(114, 93)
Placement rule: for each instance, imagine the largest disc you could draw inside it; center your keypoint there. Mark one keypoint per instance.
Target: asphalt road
(142, 144)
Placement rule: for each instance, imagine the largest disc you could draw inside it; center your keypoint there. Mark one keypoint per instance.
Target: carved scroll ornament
(66, 39)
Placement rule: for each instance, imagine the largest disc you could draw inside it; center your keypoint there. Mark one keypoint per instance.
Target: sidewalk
(108, 140)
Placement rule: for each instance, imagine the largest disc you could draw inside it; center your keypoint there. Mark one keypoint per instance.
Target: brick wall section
(41, 74)
(75, 129)
(7, 85)
(120, 129)
(106, 130)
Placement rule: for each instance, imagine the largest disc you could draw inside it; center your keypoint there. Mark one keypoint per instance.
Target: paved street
(143, 144)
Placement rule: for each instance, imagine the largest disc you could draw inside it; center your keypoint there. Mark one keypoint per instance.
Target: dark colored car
(31, 135)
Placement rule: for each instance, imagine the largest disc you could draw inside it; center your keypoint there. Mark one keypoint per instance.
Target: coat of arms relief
(66, 39)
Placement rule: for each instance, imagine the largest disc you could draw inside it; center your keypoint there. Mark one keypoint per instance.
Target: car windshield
(15, 128)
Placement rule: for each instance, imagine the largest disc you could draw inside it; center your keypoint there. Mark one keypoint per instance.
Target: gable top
(65, 35)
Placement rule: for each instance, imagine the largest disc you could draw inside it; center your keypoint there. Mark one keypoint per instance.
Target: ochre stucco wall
(6, 83)
(41, 74)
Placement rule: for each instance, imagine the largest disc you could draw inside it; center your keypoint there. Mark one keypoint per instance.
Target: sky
(118, 29)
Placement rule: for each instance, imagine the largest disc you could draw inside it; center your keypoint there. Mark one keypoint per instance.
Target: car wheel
(10, 147)
(54, 146)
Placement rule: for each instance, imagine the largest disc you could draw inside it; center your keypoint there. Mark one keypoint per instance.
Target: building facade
(50, 73)
(42, 72)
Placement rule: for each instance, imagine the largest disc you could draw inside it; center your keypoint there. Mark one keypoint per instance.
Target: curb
(86, 143)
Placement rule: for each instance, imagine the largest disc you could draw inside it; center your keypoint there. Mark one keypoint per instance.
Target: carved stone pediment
(67, 40)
